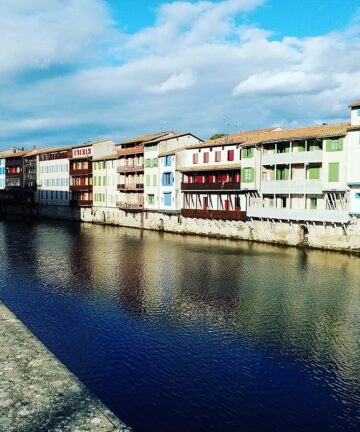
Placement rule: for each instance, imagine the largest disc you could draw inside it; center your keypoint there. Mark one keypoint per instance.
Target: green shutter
(247, 175)
(248, 152)
(147, 163)
(333, 171)
(286, 174)
(341, 144)
(313, 203)
(301, 147)
(328, 145)
(314, 173)
(155, 162)
(147, 180)
(154, 180)
(95, 182)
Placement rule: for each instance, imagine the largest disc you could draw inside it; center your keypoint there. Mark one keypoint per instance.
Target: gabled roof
(90, 143)
(170, 135)
(144, 138)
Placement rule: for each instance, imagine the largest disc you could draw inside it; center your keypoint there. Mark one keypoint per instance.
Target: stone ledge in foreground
(38, 393)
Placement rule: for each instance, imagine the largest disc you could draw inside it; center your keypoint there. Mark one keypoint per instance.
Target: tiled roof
(144, 138)
(355, 104)
(274, 134)
(90, 143)
(171, 135)
(10, 153)
(309, 132)
(232, 139)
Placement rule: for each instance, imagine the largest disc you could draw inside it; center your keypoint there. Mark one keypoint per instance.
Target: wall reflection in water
(304, 305)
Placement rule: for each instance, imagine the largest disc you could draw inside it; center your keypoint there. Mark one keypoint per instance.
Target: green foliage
(217, 136)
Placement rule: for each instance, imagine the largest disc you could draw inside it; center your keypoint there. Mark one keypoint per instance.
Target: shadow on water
(193, 333)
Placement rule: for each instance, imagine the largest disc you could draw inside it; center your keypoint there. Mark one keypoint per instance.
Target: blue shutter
(171, 179)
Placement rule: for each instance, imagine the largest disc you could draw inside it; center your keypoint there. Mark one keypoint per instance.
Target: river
(192, 334)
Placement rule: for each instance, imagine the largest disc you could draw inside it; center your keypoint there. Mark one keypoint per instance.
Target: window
(218, 156)
(230, 155)
(167, 179)
(314, 173)
(167, 199)
(151, 199)
(357, 195)
(247, 175)
(154, 180)
(206, 157)
(167, 160)
(334, 144)
(333, 171)
(282, 173)
(147, 180)
(358, 112)
(155, 162)
(313, 203)
(248, 152)
(147, 163)
(195, 158)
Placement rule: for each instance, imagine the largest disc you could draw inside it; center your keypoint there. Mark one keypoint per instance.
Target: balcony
(81, 203)
(129, 206)
(214, 214)
(76, 172)
(332, 216)
(315, 156)
(131, 151)
(291, 186)
(130, 169)
(80, 187)
(210, 186)
(137, 187)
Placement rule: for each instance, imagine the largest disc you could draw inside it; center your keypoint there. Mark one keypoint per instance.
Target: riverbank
(338, 237)
(38, 393)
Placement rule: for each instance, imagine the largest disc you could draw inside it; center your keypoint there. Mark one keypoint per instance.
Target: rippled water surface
(189, 334)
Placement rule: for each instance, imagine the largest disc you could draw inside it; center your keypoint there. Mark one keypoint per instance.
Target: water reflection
(300, 308)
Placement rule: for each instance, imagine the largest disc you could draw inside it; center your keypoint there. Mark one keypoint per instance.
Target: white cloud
(284, 83)
(177, 81)
(59, 84)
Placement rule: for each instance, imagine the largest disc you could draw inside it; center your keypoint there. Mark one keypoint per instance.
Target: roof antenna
(229, 124)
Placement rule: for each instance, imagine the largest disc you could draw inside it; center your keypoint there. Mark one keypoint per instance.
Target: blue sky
(284, 17)
(75, 70)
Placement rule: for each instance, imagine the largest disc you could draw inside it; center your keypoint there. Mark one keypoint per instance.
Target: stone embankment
(314, 235)
(38, 393)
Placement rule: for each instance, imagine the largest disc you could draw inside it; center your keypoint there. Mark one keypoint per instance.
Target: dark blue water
(189, 334)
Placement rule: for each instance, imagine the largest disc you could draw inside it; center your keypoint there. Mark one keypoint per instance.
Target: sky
(78, 70)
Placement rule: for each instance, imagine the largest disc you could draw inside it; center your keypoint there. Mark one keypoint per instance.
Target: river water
(191, 334)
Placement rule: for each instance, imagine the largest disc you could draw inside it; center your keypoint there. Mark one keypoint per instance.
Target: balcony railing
(130, 169)
(210, 186)
(84, 171)
(80, 187)
(292, 186)
(137, 187)
(293, 158)
(129, 206)
(214, 214)
(81, 203)
(131, 151)
(313, 215)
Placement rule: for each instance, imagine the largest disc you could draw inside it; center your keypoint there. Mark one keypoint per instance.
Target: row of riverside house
(309, 174)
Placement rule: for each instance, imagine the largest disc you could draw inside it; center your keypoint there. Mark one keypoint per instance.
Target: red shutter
(230, 155)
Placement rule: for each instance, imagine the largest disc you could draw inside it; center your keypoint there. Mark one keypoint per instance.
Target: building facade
(53, 176)
(211, 181)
